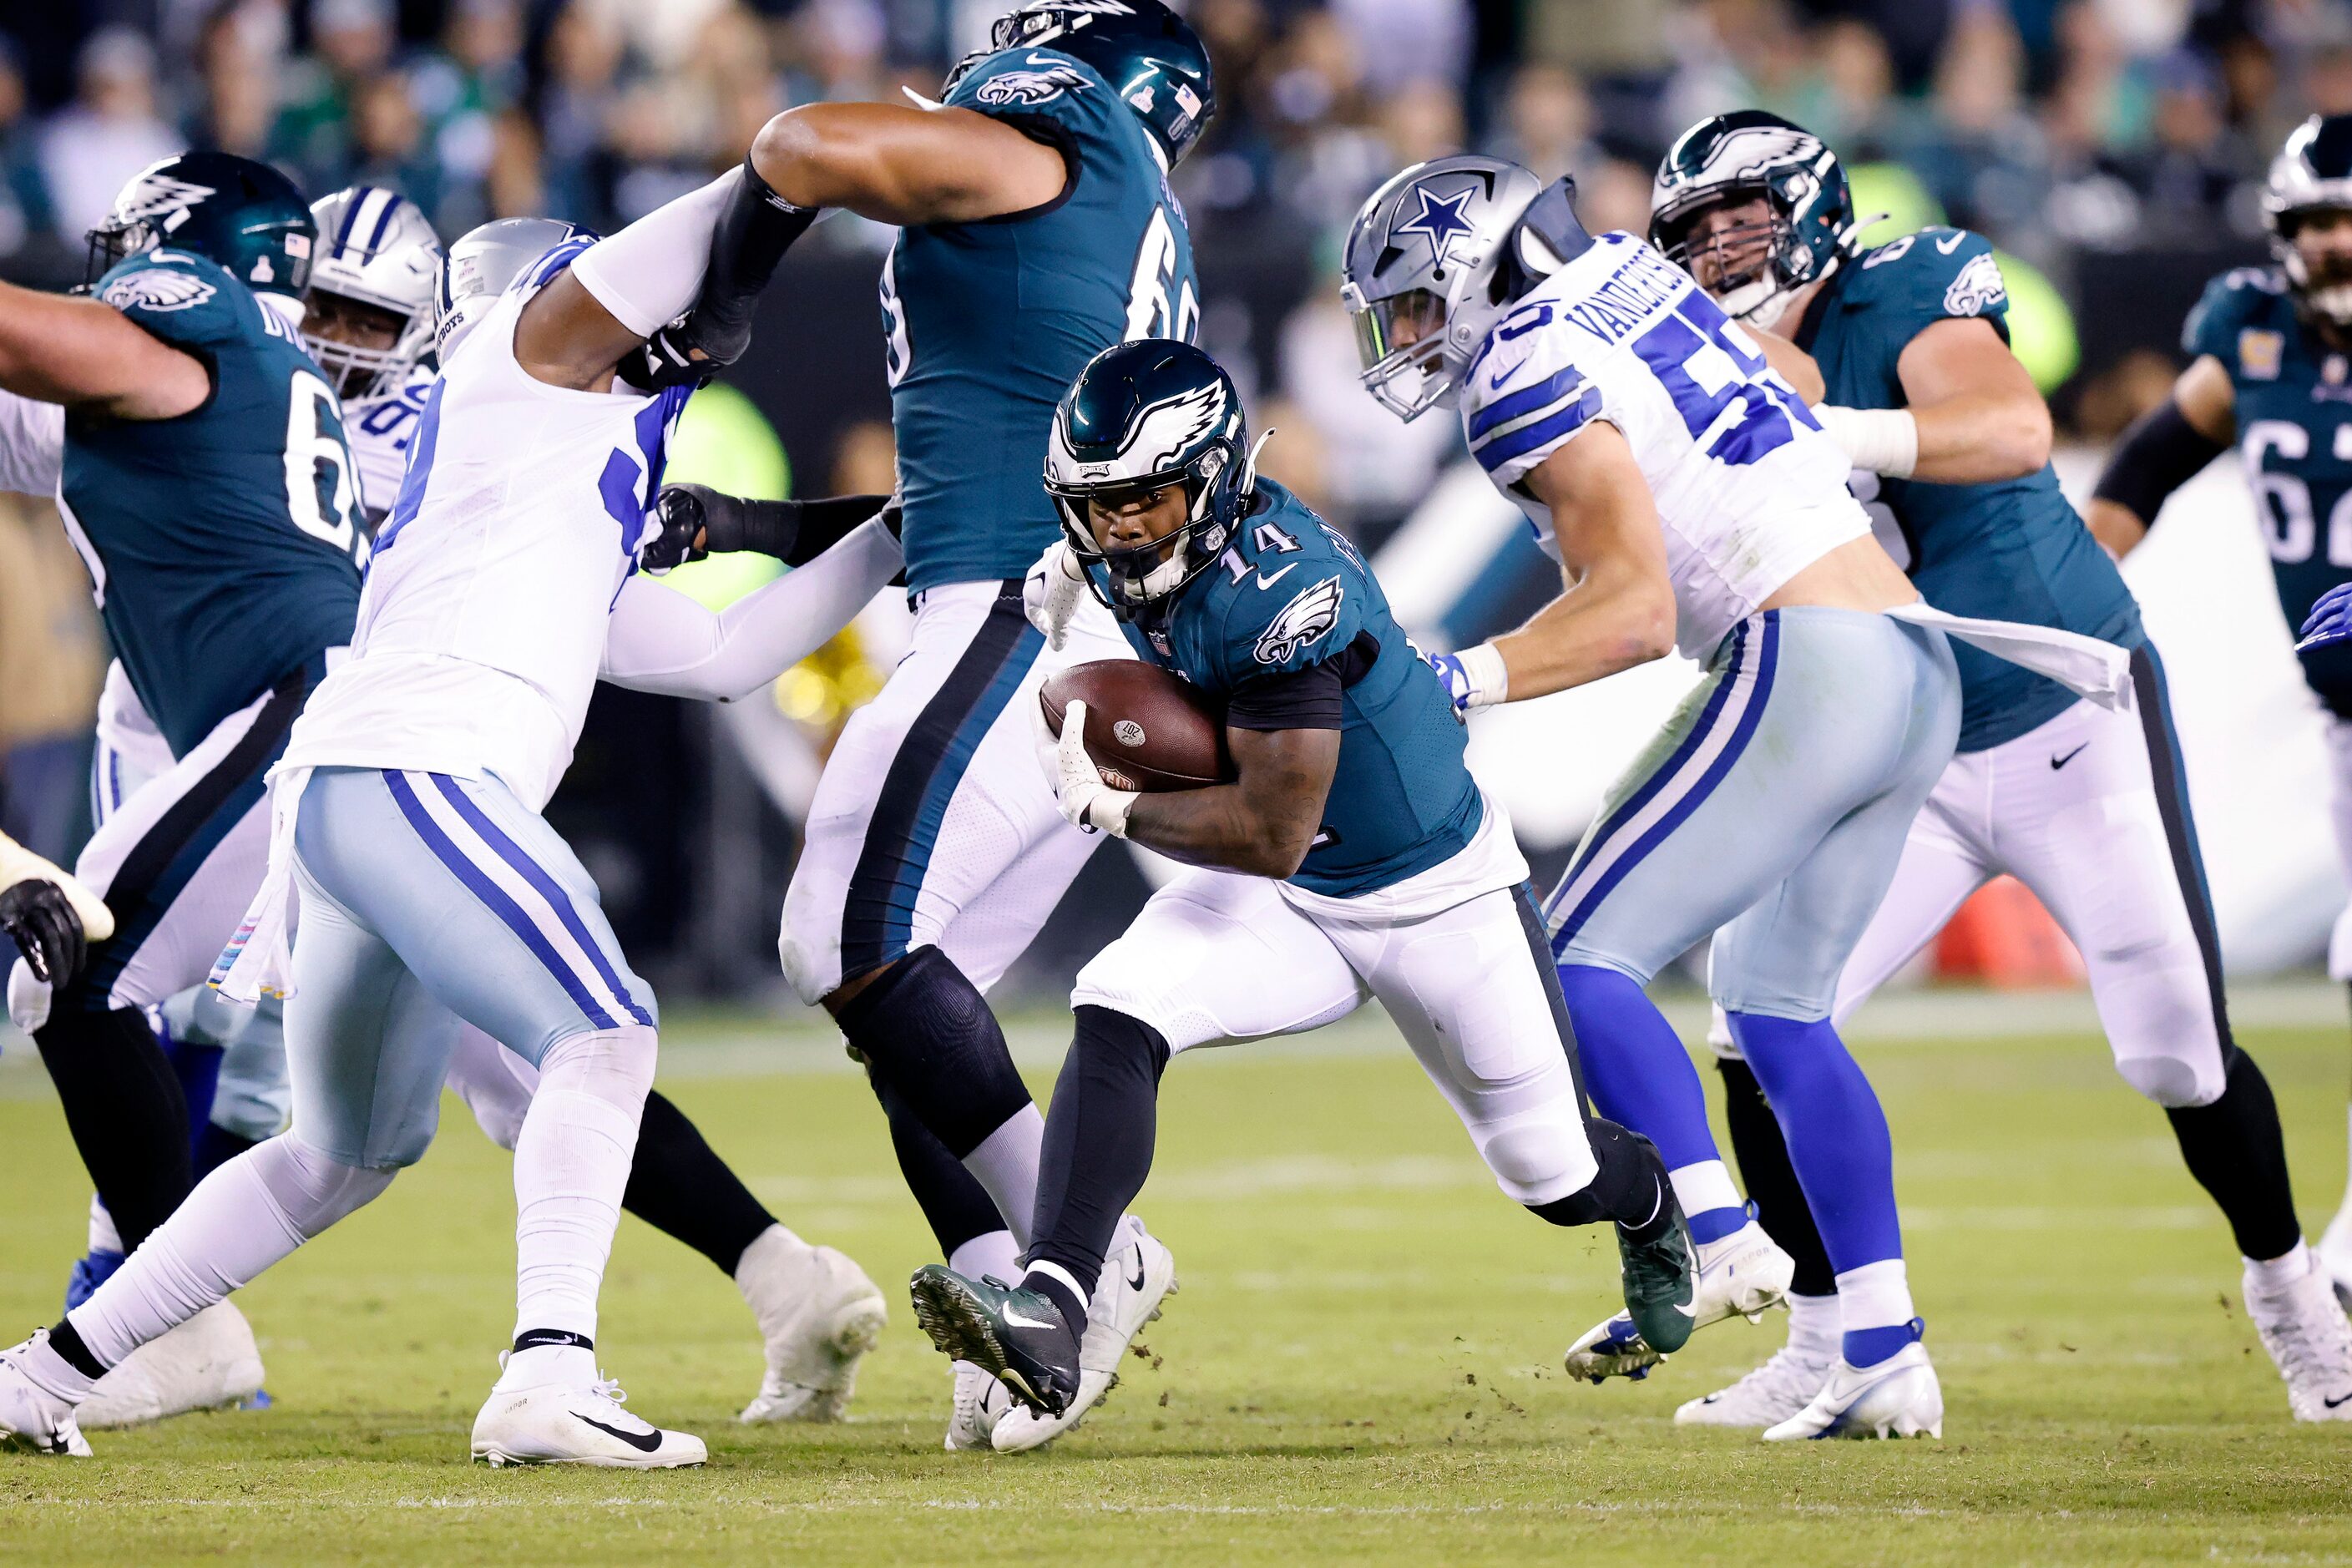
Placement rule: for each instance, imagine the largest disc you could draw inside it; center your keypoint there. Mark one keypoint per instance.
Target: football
(1145, 729)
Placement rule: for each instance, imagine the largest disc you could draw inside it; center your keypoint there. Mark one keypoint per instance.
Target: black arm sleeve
(827, 522)
(2161, 453)
(794, 532)
(752, 236)
(1307, 698)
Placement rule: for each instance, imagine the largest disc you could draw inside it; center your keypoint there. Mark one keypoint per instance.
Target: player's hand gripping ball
(1139, 730)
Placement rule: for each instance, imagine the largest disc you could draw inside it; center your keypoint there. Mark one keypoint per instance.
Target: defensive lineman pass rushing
(1904, 345)
(1353, 857)
(1692, 500)
(2268, 349)
(1036, 228)
(430, 890)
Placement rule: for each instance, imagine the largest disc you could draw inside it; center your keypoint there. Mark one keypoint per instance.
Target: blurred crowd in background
(2114, 150)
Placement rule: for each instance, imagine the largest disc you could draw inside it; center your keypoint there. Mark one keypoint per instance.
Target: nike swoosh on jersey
(1265, 580)
(645, 1444)
(1949, 246)
(2057, 762)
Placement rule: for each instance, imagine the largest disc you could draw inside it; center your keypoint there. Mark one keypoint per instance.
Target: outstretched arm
(2163, 450)
(900, 165)
(85, 353)
(660, 640)
(620, 292)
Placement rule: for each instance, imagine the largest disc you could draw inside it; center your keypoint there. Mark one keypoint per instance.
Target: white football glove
(1089, 803)
(1051, 592)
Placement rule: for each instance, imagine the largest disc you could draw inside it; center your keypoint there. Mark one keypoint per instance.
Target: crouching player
(406, 813)
(1353, 858)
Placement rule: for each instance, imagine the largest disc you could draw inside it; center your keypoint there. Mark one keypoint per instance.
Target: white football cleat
(819, 1314)
(32, 1419)
(553, 1424)
(1770, 1394)
(209, 1363)
(1897, 1397)
(1739, 1276)
(981, 1401)
(2303, 1329)
(1137, 1278)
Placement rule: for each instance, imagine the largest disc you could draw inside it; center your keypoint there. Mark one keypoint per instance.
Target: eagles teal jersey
(2010, 549)
(988, 323)
(1291, 593)
(225, 545)
(2294, 438)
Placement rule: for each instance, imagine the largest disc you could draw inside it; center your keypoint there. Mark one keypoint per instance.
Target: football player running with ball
(405, 817)
(1904, 347)
(2268, 349)
(1036, 228)
(1693, 501)
(1353, 858)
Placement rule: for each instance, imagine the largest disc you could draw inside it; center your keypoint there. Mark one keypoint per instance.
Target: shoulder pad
(181, 297)
(1299, 604)
(1015, 84)
(2241, 298)
(1937, 272)
(1523, 394)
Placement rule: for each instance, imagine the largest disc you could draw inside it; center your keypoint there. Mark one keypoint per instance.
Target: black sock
(1099, 1138)
(1762, 1152)
(1069, 1303)
(679, 1185)
(2234, 1149)
(67, 1340)
(1630, 1187)
(926, 1029)
(215, 1147)
(954, 1203)
(123, 1105)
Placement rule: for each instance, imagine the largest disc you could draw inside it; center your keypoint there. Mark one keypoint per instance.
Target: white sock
(1874, 1296)
(1814, 1323)
(103, 1236)
(995, 1254)
(546, 1366)
(2272, 1274)
(571, 1164)
(1006, 1164)
(242, 1219)
(1703, 1186)
(651, 271)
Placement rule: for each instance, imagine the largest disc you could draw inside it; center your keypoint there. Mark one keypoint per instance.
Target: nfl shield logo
(2259, 354)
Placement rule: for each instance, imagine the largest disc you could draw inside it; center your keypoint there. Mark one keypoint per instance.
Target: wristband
(1489, 676)
(1877, 440)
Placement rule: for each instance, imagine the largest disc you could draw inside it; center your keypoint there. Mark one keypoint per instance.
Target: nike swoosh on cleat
(1014, 1317)
(2337, 1402)
(643, 1445)
(1137, 1283)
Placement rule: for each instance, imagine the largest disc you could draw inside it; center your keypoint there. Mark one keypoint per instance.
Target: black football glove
(37, 914)
(678, 521)
(678, 356)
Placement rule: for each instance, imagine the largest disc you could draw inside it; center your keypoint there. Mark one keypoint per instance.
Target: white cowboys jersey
(381, 430)
(1749, 490)
(484, 618)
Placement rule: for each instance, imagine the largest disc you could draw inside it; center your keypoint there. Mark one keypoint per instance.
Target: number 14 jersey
(1748, 491)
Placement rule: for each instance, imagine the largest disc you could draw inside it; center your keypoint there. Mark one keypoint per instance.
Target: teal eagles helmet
(2312, 174)
(1732, 157)
(1151, 56)
(1142, 415)
(243, 214)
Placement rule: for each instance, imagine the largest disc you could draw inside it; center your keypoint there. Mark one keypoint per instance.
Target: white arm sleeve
(32, 445)
(648, 274)
(662, 641)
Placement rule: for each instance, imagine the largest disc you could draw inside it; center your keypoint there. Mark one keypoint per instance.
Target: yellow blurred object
(821, 691)
(1891, 200)
(2040, 324)
(724, 441)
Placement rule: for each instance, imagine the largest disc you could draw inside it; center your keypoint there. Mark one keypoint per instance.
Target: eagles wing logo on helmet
(1175, 427)
(157, 289)
(1978, 287)
(159, 194)
(1032, 87)
(1752, 152)
(1306, 617)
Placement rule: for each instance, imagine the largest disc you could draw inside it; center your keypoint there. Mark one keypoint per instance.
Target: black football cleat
(1017, 1334)
(1659, 1277)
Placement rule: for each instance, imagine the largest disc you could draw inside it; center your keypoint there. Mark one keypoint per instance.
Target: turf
(1363, 1365)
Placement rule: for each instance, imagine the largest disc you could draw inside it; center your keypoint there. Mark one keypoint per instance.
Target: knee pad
(2175, 1084)
(1540, 1155)
(614, 1064)
(29, 999)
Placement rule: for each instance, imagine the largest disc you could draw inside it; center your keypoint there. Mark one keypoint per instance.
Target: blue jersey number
(1696, 341)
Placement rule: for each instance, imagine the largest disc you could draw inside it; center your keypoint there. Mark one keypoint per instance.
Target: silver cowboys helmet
(377, 248)
(1424, 274)
(484, 261)
(2313, 172)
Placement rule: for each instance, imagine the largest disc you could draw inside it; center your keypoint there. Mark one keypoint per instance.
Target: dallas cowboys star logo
(1439, 220)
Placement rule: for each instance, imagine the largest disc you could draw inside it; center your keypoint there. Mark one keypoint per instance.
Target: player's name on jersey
(1625, 298)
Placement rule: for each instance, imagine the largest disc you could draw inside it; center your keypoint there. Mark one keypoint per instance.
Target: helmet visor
(1401, 342)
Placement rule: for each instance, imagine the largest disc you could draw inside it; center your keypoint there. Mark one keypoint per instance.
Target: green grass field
(1363, 1363)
